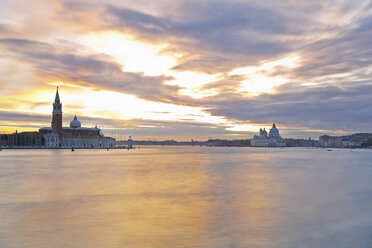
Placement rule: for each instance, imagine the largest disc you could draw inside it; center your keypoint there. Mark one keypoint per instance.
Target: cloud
(97, 70)
(214, 30)
(139, 21)
(316, 108)
(138, 128)
(209, 31)
(217, 36)
(365, 25)
(330, 87)
(21, 117)
(3, 28)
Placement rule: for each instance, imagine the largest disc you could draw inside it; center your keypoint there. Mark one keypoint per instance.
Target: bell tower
(57, 116)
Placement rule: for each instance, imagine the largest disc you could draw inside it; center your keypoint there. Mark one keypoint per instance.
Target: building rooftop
(70, 128)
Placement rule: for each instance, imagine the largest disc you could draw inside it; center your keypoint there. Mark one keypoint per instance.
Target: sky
(186, 69)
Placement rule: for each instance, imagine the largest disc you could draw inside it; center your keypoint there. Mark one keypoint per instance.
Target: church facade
(73, 136)
(271, 140)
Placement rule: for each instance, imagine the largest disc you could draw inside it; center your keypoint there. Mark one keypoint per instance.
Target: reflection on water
(186, 197)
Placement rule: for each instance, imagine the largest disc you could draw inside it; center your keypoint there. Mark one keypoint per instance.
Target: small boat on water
(329, 150)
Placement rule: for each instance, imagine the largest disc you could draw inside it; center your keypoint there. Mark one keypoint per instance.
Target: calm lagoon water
(186, 197)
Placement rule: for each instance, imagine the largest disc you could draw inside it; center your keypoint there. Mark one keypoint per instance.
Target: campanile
(57, 116)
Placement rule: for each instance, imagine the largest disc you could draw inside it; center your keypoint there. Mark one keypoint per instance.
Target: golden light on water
(157, 140)
(131, 202)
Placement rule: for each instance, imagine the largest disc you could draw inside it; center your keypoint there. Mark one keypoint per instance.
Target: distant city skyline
(188, 69)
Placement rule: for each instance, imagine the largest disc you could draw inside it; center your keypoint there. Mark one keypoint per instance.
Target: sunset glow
(176, 65)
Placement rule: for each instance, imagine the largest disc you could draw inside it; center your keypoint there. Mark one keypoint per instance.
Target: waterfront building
(22, 139)
(57, 136)
(73, 136)
(130, 142)
(51, 140)
(348, 141)
(271, 140)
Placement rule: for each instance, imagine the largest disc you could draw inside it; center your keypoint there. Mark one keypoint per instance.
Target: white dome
(274, 132)
(75, 123)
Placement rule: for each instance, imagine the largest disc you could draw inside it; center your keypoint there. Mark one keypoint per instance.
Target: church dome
(274, 132)
(264, 132)
(75, 123)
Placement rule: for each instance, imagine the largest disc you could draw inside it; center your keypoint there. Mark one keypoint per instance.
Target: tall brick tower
(57, 116)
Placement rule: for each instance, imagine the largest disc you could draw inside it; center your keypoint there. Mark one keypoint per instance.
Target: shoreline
(139, 147)
(65, 148)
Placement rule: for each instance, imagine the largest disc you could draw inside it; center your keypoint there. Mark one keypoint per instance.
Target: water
(186, 197)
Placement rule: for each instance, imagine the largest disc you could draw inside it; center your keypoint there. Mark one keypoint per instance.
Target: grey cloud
(365, 25)
(318, 108)
(238, 33)
(21, 117)
(203, 29)
(226, 86)
(3, 28)
(215, 16)
(139, 128)
(345, 54)
(214, 27)
(45, 119)
(140, 21)
(6, 29)
(97, 70)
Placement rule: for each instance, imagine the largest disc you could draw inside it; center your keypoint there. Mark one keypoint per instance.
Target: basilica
(73, 136)
(271, 140)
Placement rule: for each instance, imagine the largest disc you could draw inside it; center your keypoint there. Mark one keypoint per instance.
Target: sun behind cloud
(214, 68)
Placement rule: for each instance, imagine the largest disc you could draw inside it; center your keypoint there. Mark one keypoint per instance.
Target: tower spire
(57, 116)
(56, 100)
